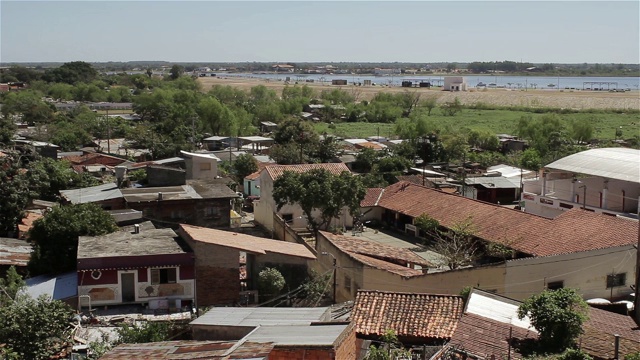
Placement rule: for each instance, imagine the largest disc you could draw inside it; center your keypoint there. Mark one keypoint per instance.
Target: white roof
(216, 138)
(508, 171)
(496, 308)
(200, 155)
(356, 141)
(241, 316)
(610, 163)
(255, 138)
(427, 172)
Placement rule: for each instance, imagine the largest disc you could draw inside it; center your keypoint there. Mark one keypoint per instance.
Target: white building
(455, 83)
(601, 180)
(201, 166)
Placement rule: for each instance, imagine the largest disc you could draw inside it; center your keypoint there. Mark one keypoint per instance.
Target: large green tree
(71, 73)
(55, 236)
(244, 165)
(29, 105)
(320, 190)
(15, 191)
(35, 329)
(50, 176)
(558, 316)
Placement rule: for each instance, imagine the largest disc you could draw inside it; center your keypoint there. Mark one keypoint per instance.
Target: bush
(270, 282)
(574, 354)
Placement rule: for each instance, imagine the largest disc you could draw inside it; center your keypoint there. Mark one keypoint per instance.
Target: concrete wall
(111, 293)
(210, 213)
(586, 271)
(161, 176)
(252, 187)
(345, 265)
(201, 167)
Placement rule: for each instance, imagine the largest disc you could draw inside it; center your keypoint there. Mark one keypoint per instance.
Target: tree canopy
(558, 316)
(320, 190)
(55, 236)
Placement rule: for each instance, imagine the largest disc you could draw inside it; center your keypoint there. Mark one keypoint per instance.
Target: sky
(321, 31)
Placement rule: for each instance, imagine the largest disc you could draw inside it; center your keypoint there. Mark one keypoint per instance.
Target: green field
(495, 121)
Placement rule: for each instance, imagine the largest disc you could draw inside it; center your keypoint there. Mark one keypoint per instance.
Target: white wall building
(455, 83)
(601, 180)
(200, 166)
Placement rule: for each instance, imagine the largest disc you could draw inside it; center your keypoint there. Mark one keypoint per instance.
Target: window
(615, 280)
(555, 285)
(347, 283)
(205, 166)
(163, 276)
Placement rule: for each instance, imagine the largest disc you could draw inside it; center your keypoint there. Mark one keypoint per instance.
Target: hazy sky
(425, 31)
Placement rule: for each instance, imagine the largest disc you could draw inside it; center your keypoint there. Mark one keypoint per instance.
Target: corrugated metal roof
(58, 287)
(497, 308)
(255, 138)
(240, 316)
(92, 194)
(492, 182)
(508, 171)
(14, 252)
(295, 335)
(613, 163)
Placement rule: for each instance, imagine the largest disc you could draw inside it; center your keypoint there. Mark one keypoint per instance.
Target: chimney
(136, 228)
(159, 196)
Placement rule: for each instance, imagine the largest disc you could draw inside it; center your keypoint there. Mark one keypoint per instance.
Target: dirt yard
(574, 99)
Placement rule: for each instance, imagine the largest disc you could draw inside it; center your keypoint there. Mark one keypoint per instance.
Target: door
(127, 283)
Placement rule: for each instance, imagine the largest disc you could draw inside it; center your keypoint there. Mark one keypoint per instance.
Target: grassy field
(495, 121)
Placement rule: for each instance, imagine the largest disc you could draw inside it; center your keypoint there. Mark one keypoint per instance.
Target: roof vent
(159, 196)
(136, 228)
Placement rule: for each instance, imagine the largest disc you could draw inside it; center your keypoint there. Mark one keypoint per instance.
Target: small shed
(455, 83)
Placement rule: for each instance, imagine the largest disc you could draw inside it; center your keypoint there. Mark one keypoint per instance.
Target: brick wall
(345, 345)
(296, 353)
(217, 286)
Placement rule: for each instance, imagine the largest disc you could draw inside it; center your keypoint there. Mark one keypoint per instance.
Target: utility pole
(335, 267)
(108, 133)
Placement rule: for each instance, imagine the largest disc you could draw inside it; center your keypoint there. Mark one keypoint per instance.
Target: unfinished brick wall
(294, 353)
(217, 286)
(345, 344)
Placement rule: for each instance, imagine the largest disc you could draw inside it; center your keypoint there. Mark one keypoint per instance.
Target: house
(200, 165)
(595, 251)
(282, 68)
(364, 264)
(268, 126)
(251, 184)
(603, 180)
(95, 159)
(490, 328)
(149, 267)
(218, 262)
(217, 142)
(108, 196)
(200, 202)
(455, 83)
(509, 143)
(14, 252)
(255, 144)
(45, 149)
(416, 318)
(266, 206)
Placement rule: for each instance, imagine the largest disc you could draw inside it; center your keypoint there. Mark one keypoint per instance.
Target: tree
(320, 190)
(558, 316)
(71, 73)
(270, 282)
(149, 331)
(15, 192)
(456, 244)
(582, 131)
(55, 236)
(365, 160)
(176, 72)
(451, 108)
(244, 165)
(50, 176)
(9, 286)
(29, 104)
(35, 329)
(389, 348)
(531, 160)
(430, 103)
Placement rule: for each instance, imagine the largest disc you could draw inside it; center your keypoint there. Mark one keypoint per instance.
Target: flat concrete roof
(242, 316)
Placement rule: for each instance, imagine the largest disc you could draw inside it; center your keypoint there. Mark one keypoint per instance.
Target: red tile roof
(276, 171)
(485, 338)
(370, 248)
(244, 242)
(94, 158)
(27, 223)
(371, 197)
(599, 331)
(410, 315)
(573, 231)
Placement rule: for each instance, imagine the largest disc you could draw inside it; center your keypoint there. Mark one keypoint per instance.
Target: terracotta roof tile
(599, 331)
(573, 231)
(276, 171)
(374, 249)
(27, 223)
(485, 338)
(410, 315)
(371, 197)
(385, 265)
(244, 242)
